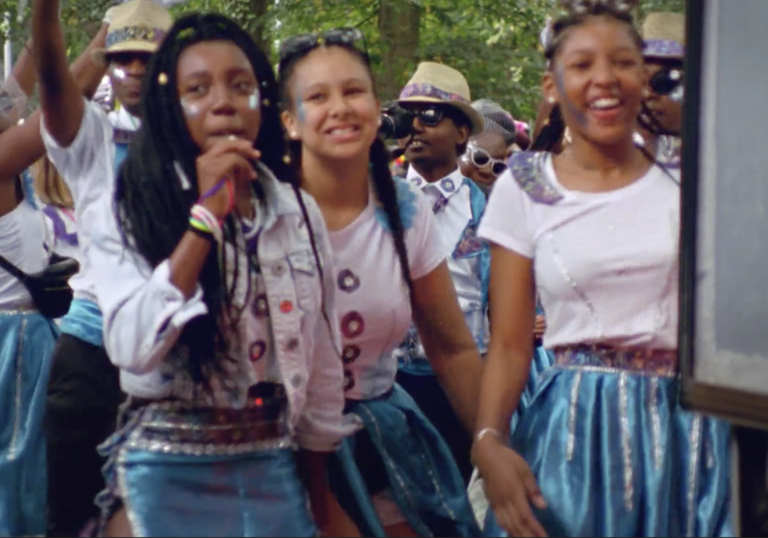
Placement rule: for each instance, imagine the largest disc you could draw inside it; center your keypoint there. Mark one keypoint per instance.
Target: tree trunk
(258, 29)
(399, 22)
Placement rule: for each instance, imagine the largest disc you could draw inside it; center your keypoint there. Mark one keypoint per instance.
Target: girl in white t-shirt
(604, 448)
(388, 258)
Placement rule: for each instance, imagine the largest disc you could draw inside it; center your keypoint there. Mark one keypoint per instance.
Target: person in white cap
(439, 97)
(84, 392)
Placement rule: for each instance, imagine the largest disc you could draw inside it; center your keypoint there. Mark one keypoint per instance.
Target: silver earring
(551, 100)
(294, 135)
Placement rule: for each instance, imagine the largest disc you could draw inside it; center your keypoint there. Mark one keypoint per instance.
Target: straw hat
(664, 35)
(437, 83)
(137, 26)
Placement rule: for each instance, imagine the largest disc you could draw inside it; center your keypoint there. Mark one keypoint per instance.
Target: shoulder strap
(12, 269)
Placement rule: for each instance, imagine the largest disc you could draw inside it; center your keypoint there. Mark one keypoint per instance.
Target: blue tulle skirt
(27, 340)
(182, 471)
(615, 454)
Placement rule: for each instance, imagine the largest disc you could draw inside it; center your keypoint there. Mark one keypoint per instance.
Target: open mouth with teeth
(347, 130)
(228, 135)
(605, 103)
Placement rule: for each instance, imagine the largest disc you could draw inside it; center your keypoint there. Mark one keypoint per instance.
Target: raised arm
(60, 97)
(24, 70)
(22, 145)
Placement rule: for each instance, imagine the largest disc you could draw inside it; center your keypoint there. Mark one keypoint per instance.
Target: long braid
(153, 204)
(386, 192)
(551, 135)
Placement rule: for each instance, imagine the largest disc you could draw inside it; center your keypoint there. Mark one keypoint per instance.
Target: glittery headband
(135, 33)
(663, 48)
(427, 90)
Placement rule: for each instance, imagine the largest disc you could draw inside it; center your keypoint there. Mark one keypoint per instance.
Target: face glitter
(254, 100)
(190, 109)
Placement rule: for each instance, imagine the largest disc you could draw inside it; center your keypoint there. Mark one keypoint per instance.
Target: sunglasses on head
(300, 44)
(666, 81)
(481, 158)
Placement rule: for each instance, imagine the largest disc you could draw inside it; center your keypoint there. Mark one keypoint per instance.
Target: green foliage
(495, 43)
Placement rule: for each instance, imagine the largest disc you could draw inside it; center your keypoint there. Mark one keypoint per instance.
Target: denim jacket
(145, 314)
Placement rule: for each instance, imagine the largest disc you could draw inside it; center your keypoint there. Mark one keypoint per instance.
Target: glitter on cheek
(191, 110)
(301, 110)
(254, 100)
(578, 115)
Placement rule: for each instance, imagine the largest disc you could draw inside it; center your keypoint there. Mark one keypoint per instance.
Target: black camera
(396, 122)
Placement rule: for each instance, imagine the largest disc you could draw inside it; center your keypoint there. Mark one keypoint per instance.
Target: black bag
(49, 288)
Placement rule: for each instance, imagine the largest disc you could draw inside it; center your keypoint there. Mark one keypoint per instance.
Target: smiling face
(598, 78)
(219, 93)
(332, 110)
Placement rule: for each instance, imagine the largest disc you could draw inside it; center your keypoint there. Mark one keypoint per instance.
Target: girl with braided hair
(604, 447)
(214, 278)
(390, 268)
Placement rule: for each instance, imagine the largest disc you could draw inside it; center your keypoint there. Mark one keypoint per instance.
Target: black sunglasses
(428, 115)
(300, 44)
(666, 81)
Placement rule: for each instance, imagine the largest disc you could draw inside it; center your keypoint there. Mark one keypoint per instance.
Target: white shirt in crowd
(605, 263)
(22, 239)
(451, 222)
(88, 173)
(373, 302)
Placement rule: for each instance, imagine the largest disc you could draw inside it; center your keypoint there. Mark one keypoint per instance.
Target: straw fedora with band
(137, 26)
(437, 83)
(664, 35)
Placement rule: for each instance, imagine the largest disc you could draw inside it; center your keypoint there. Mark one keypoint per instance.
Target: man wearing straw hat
(439, 97)
(664, 35)
(87, 147)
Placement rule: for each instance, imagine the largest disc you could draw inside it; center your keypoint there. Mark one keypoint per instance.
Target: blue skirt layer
(174, 488)
(26, 345)
(615, 455)
(542, 360)
(419, 468)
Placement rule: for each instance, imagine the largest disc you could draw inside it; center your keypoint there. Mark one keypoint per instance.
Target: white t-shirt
(372, 297)
(605, 263)
(88, 168)
(22, 236)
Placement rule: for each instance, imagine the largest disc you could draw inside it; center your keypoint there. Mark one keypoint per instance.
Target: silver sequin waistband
(180, 428)
(655, 362)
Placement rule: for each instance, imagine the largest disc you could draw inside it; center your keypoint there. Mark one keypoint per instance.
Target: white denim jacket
(144, 314)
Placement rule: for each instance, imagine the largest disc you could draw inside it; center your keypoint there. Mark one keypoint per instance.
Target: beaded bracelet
(202, 219)
(201, 233)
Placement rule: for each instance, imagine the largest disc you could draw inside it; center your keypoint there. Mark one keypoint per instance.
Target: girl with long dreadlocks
(222, 320)
(390, 268)
(604, 448)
